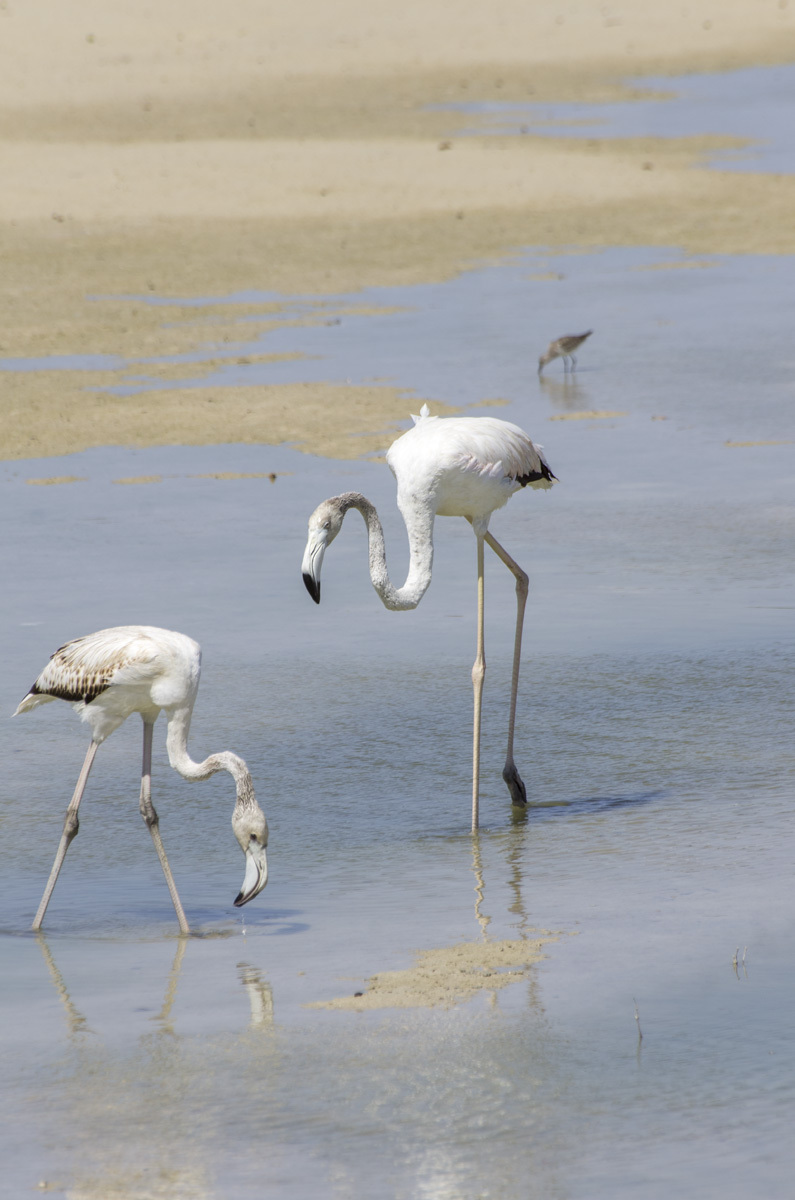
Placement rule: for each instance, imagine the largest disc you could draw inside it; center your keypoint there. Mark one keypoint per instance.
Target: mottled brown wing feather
(84, 668)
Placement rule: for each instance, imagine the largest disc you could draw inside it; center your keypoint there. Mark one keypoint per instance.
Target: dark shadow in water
(593, 804)
(276, 922)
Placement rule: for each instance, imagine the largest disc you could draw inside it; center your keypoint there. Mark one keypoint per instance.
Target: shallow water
(655, 723)
(655, 734)
(755, 103)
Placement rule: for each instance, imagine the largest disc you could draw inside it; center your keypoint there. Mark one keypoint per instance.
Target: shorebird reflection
(565, 391)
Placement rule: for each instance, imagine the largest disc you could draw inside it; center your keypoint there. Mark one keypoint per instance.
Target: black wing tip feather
(534, 476)
(75, 695)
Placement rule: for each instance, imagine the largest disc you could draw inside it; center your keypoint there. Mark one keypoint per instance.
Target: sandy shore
(192, 150)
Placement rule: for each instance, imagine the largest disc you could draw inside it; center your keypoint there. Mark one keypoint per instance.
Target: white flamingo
(447, 467)
(136, 668)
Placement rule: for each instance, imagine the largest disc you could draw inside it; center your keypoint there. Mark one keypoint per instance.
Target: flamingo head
(251, 831)
(324, 525)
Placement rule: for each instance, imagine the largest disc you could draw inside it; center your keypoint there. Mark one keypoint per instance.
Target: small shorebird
(563, 347)
(446, 467)
(136, 668)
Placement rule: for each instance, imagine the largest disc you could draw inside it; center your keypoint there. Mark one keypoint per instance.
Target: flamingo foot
(515, 786)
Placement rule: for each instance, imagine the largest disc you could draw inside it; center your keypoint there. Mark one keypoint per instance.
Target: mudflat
(189, 150)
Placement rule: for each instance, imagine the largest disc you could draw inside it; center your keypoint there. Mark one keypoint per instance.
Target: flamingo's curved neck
(180, 759)
(419, 526)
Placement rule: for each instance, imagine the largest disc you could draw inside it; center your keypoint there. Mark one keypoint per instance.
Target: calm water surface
(756, 104)
(655, 733)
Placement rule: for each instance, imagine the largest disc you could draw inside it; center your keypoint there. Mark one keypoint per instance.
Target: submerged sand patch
(448, 976)
(227, 475)
(588, 414)
(56, 479)
(140, 479)
(770, 442)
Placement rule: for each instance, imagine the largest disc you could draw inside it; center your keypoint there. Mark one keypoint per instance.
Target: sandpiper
(563, 347)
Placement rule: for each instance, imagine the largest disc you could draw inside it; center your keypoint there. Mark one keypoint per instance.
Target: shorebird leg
(510, 774)
(478, 673)
(152, 822)
(70, 828)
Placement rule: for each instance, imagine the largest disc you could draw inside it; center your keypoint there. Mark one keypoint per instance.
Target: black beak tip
(312, 587)
(240, 900)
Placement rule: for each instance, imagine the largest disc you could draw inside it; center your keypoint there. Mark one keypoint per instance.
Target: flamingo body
(450, 467)
(464, 466)
(111, 674)
(128, 669)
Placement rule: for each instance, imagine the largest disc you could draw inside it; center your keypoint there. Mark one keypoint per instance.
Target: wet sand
(447, 976)
(203, 152)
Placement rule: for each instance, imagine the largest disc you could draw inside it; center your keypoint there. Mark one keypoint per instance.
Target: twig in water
(637, 1020)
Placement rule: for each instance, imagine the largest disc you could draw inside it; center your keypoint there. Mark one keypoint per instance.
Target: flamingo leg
(152, 822)
(510, 774)
(70, 828)
(478, 674)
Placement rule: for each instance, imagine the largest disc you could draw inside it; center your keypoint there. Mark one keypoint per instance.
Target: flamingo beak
(256, 874)
(313, 560)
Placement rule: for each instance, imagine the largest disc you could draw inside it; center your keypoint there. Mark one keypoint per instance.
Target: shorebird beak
(313, 560)
(256, 874)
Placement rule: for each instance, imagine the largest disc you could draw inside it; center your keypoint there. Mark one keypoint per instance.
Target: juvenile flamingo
(447, 467)
(136, 668)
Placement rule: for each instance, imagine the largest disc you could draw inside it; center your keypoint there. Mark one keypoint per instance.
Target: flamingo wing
(87, 666)
(479, 445)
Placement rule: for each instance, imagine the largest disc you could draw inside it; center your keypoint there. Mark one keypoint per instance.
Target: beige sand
(448, 976)
(192, 149)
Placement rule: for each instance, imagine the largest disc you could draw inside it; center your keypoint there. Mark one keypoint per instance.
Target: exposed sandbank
(194, 151)
(448, 976)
